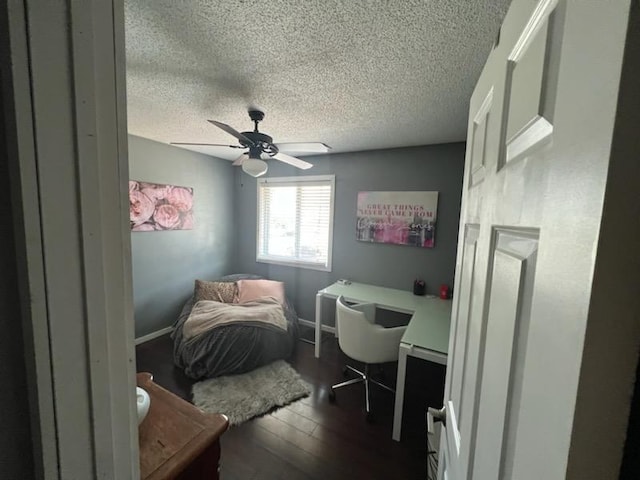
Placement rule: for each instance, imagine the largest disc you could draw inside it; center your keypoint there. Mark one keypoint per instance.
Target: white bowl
(143, 401)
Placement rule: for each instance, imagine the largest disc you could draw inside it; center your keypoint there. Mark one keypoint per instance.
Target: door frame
(63, 68)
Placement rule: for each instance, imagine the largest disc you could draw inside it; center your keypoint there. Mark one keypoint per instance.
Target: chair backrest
(360, 338)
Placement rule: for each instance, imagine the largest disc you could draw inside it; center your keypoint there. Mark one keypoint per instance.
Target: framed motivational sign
(400, 218)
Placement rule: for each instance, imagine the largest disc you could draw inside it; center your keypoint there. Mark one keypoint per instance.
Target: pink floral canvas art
(153, 206)
(401, 218)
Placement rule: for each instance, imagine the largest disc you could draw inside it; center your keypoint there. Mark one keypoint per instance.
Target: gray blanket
(235, 347)
(207, 315)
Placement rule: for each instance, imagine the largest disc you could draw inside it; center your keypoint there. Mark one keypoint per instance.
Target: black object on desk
(419, 287)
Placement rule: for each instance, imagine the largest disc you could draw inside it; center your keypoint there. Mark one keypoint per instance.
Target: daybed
(205, 346)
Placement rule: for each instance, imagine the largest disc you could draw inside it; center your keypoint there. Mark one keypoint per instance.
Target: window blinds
(294, 223)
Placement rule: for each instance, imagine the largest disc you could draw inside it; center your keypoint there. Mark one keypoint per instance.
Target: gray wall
(438, 168)
(166, 263)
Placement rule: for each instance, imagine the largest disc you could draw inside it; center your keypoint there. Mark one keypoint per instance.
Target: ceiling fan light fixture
(254, 167)
(259, 144)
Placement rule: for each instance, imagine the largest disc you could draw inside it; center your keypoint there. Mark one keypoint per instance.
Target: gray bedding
(232, 347)
(207, 315)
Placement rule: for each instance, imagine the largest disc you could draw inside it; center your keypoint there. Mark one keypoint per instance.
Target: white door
(540, 131)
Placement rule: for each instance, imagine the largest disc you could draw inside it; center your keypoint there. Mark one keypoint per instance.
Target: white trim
(290, 263)
(153, 335)
(537, 130)
(74, 177)
(283, 181)
(300, 179)
(310, 324)
(16, 82)
(539, 16)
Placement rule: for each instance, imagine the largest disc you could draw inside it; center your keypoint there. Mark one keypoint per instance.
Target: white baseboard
(309, 323)
(152, 335)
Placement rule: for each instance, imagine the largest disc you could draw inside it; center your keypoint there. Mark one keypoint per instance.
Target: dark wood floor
(312, 438)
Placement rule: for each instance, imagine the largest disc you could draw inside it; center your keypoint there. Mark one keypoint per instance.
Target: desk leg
(402, 371)
(318, 336)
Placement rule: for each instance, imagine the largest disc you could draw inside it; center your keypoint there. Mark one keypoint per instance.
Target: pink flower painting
(154, 206)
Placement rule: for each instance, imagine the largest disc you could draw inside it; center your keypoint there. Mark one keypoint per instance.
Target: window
(295, 221)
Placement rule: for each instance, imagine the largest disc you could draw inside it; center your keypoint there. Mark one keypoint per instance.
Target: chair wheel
(369, 417)
(345, 372)
(332, 396)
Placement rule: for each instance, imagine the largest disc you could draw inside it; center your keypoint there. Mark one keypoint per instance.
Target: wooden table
(177, 440)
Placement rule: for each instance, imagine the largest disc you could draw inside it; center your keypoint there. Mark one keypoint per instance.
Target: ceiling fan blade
(296, 162)
(311, 147)
(205, 144)
(240, 160)
(231, 131)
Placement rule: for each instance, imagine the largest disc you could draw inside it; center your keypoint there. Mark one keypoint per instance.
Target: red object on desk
(444, 291)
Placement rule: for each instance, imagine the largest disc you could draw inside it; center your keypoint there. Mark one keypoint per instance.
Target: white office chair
(361, 339)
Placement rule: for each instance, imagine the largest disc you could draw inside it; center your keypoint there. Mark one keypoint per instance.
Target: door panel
(458, 366)
(479, 139)
(463, 313)
(514, 261)
(526, 125)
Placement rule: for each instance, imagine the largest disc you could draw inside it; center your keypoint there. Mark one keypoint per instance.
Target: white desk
(426, 337)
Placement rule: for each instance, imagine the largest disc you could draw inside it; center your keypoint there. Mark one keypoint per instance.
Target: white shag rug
(244, 396)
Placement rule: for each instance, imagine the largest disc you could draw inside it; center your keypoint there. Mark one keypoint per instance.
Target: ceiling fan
(258, 143)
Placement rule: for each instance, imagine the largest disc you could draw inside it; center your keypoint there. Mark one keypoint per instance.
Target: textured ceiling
(355, 74)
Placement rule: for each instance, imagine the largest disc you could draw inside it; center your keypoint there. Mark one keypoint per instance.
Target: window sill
(285, 263)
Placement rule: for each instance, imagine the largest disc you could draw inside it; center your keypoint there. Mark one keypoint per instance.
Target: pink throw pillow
(249, 290)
